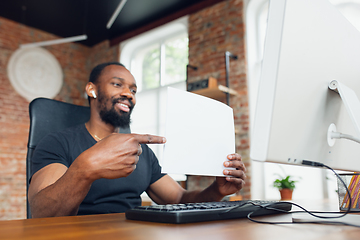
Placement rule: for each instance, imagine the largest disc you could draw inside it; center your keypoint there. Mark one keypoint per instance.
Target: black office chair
(47, 115)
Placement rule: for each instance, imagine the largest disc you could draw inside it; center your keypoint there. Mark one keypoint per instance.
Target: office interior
(213, 27)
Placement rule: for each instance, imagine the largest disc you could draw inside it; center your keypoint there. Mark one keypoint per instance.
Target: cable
(317, 164)
(339, 135)
(312, 213)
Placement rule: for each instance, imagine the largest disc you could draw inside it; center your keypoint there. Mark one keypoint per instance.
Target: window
(264, 174)
(157, 59)
(161, 63)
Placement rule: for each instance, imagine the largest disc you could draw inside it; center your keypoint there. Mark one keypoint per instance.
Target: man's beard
(112, 116)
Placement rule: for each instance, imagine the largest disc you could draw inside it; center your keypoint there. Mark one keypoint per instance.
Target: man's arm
(166, 190)
(56, 190)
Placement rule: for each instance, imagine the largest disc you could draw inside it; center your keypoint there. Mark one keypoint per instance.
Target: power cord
(339, 135)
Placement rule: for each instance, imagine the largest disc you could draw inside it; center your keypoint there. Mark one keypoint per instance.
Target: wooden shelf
(218, 92)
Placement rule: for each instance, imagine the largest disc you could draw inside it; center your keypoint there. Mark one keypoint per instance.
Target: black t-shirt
(105, 195)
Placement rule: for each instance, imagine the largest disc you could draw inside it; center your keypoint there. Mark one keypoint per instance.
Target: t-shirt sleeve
(51, 149)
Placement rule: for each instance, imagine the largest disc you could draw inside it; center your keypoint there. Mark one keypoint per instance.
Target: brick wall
(76, 62)
(212, 32)
(102, 52)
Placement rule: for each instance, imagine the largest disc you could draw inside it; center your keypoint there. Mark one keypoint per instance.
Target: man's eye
(117, 84)
(133, 91)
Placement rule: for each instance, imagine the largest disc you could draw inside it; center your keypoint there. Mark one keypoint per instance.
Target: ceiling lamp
(53, 42)
(115, 14)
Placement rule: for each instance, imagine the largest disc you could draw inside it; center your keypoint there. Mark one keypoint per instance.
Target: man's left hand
(235, 178)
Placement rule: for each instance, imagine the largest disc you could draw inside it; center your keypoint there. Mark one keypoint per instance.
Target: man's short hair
(96, 72)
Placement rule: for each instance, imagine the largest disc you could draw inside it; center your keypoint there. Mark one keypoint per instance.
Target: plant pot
(286, 194)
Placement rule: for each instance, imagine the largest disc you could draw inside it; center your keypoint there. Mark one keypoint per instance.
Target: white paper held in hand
(199, 134)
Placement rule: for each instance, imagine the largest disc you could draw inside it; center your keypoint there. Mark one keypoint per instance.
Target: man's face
(116, 95)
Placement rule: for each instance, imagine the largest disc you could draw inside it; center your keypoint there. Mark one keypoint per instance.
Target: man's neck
(100, 130)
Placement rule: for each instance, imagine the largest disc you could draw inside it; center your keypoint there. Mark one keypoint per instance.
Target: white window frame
(129, 49)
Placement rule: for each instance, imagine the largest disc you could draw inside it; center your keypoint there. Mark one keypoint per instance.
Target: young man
(92, 169)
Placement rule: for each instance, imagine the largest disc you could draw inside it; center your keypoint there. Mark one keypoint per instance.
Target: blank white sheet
(199, 133)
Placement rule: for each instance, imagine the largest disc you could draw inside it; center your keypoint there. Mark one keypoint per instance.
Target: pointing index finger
(149, 139)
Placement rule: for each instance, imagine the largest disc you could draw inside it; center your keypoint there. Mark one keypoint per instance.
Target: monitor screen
(308, 44)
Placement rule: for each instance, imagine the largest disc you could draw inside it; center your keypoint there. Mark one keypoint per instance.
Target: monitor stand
(348, 219)
(352, 105)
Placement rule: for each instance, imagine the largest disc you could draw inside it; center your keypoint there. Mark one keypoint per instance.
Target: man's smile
(123, 104)
(123, 107)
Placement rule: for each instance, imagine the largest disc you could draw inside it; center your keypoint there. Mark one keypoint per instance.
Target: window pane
(176, 59)
(151, 68)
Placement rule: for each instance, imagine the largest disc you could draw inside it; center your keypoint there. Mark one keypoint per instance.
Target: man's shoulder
(66, 135)
(74, 130)
(60, 147)
(66, 143)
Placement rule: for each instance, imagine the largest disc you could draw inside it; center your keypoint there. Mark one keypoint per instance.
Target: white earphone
(93, 93)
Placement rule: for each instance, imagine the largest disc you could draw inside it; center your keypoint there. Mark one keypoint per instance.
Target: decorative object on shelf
(35, 72)
(286, 186)
(209, 87)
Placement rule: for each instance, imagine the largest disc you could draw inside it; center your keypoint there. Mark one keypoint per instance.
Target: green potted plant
(286, 186)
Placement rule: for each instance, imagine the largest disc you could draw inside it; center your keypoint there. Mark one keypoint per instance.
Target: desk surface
(115, 226)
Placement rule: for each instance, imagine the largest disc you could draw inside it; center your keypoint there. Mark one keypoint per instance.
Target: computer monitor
(308, 44)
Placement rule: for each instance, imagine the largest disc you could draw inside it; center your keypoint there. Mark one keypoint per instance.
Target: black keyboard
(209, 211)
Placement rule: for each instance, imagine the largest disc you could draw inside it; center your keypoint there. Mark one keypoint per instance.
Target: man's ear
(91, 90)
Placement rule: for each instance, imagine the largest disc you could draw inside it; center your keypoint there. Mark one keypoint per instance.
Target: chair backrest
(46, 116)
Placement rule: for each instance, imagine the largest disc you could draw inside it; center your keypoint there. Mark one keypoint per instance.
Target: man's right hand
(113, 157)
